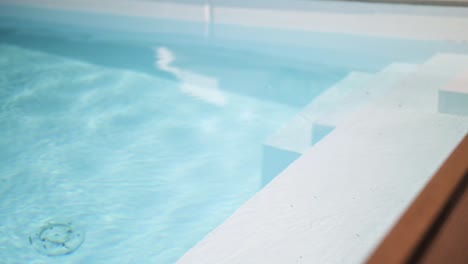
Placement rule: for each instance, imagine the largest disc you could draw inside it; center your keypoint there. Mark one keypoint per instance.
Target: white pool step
(294, 138)
(430, 88)
(295, 135)
(300, 133)
(420, 91)
(340, 197)
(378, 85)
(336, 201)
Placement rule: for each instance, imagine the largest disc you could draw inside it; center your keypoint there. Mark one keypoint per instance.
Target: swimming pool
(149, 141)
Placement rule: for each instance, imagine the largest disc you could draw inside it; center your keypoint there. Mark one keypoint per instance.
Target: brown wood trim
(451, 242)
(413, 234)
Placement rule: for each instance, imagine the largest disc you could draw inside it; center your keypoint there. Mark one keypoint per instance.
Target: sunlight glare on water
(147, 165)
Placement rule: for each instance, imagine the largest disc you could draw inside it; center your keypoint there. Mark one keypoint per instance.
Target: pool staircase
(358, 155)
(398, 86)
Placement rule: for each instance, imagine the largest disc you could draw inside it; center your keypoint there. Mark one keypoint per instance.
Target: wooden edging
(409, 239)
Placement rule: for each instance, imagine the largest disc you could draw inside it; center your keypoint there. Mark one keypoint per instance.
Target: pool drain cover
(56, 239)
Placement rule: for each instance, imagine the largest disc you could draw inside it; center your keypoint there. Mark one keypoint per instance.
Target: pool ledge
(338, 200)
(423, 23)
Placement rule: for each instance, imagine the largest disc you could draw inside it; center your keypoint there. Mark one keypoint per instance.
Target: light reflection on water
(145, 164)
(200, 86)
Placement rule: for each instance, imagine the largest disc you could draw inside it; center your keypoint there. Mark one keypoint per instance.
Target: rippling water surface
(146, 165)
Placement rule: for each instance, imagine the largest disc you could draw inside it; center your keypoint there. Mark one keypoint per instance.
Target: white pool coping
(450, 24)
(331, 207)
(338, 200)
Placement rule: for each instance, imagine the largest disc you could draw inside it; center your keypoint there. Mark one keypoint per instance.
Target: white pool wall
(400, 21)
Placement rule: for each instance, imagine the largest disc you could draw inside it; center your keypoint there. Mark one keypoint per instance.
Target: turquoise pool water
(146, 146)
(146, 152)
(148, 167)
(148, 164)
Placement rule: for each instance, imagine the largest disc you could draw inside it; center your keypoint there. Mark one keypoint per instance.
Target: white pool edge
(369, 23)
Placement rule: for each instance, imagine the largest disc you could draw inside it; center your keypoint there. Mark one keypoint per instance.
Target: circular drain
(56, 239)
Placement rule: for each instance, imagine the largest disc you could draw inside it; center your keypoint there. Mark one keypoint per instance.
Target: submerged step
(295, 135)
(294, 138)
(417, 90)
(399, 86)
(453, 98)
(321, 116)
(439, 85)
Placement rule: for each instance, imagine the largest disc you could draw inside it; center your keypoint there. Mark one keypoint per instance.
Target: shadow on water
(239, 72)
(267, 77)
(107, 54)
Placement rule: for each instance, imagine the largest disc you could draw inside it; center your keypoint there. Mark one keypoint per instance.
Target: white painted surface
(337, 201)
(367, 19)
(420, 90)
(295, 135)
(378, 85)
(458, 84)
(336, 104)
(155, 9)
(403, 26)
